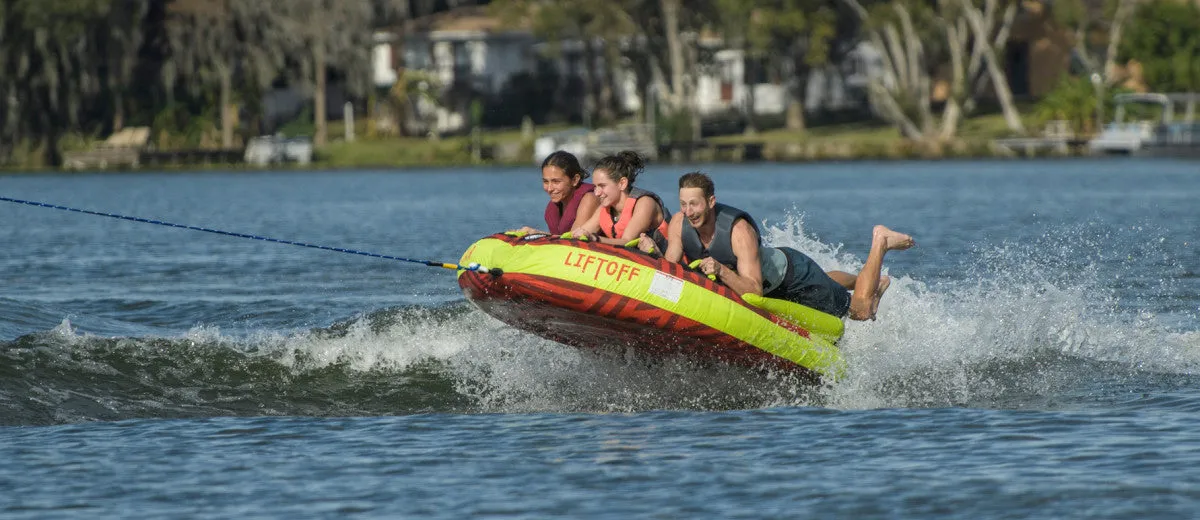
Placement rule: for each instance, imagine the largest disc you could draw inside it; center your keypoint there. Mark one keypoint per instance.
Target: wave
(1021, 326)
(451, 359)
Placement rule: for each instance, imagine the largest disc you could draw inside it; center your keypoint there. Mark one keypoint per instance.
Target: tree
(988, 34)
(916, 39)
(49, 76)
(120, 39)
(1164, 37)
(324, 32)
(1096, 28)
(1073, 100)
(902, 93)
(599, 28)
(205, 50)
(793, 37)
(666, 52)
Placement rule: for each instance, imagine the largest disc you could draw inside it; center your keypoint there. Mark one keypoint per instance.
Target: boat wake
(412, 360)
(1020, 328)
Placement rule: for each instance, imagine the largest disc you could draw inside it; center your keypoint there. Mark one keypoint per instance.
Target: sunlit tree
(1164, 37)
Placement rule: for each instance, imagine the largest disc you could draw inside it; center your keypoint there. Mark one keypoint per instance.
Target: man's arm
(748, 277)
(674, 252)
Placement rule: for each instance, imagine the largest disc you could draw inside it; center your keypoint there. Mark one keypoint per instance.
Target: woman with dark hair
(625, 212)
(571, 199)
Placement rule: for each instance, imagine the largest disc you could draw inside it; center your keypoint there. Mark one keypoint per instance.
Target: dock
(129, 149)
(1056, 139)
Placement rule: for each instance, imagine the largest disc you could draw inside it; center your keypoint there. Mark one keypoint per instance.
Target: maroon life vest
(562, 221)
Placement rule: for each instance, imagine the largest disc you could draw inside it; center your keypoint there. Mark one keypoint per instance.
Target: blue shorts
(807, 284)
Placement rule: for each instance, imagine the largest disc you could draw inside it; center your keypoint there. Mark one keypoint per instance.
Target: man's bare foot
(893, 240)
(884, 282)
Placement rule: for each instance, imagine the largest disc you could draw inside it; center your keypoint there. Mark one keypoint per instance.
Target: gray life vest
(773, 261)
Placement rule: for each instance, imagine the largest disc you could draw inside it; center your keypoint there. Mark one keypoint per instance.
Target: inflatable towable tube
(592, 295)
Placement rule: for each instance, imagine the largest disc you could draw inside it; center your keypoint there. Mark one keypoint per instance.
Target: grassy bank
(830, 142)
(493, 146)
(975, 138)
(512, 146)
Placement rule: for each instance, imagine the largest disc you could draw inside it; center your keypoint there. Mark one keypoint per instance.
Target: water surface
(1036, 357)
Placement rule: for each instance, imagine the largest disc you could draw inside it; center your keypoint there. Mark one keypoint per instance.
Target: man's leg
(848, 281)
(843, 279)
(864, 301)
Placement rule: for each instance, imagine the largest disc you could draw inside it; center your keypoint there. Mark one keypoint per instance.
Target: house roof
(473, 18)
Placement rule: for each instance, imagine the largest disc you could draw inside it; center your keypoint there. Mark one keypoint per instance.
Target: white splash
(1018, 325)
(1015, 328)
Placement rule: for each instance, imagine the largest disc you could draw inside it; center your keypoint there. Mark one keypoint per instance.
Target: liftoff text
(597, 266)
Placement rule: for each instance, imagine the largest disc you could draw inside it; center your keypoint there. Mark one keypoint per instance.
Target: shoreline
(503, 149)
(317, 167)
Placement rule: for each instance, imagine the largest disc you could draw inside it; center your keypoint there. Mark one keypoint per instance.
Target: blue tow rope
(470, 267)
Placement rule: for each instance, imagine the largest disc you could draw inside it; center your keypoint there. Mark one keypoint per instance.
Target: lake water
(1038, 355)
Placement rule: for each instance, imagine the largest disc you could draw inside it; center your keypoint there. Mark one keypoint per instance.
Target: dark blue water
(1037, 356)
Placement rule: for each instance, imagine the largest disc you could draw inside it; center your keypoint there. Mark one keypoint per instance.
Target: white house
(467, 51)
(383, 59)
(569, 59)
(464, 50)
(725, 90)
(845, 85)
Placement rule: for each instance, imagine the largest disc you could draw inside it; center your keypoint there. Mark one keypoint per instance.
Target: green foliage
(1083, 13)
(566, 19)
(75, 141)
(1164, 36)
(176, 126)
(675, 127)
(302, 125)
(1074, 100)
(61, 17)
(776, 26)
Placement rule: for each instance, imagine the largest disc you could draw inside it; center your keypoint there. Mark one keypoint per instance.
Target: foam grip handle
(696, 263)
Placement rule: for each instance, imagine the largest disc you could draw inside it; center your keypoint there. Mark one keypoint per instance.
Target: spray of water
(1024, 323)
(1021, 326)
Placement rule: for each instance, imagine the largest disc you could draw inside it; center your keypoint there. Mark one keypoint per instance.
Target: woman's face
(558, 185)
(608, 191)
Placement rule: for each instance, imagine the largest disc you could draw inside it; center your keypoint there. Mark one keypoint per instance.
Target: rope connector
(474, 266)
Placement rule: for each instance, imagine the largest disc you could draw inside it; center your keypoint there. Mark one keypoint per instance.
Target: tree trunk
(895, 49)
(795, 115)
(1004, 94)
(689, 92)
(999, 79)
(897, 78)
(981, 82)
(670, 9)
(794, 118)
(319, 117)
(916, 70)
(118, 121)
(891, 111)
(226, 120)
(590, 107)
(608, 98)
(952, 112)
(53, 156)
(1114, 40)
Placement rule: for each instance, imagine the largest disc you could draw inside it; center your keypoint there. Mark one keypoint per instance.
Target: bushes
(1074, 100)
